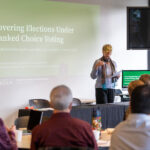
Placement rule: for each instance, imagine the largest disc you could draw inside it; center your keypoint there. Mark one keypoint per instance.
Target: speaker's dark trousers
(105, 96)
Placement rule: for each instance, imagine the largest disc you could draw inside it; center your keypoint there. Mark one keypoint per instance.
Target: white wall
(16, 92)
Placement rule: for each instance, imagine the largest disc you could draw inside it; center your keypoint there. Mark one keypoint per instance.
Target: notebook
(34, 119)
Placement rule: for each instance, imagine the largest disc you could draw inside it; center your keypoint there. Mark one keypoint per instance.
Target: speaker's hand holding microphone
(99, 63)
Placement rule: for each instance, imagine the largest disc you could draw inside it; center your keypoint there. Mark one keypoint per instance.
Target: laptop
(34, 119)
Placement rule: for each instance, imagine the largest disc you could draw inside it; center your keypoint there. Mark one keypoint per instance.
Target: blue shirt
(97, 74)
(132, 134)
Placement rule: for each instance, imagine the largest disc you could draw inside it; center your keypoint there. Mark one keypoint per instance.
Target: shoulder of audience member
(81, 123)
(119, 127)
(1, 122)
(39, 127)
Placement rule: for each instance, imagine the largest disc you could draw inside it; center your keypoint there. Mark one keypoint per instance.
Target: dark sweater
(61, 130)
(7, 139)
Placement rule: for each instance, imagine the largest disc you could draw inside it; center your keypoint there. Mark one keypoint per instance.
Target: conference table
(111, 114)
(103, 142)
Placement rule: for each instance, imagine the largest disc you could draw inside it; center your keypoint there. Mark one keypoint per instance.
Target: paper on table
(103, 143)
(110, 130)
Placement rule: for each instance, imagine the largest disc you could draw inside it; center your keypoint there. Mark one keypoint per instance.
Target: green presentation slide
(131, 75)
(41, 38)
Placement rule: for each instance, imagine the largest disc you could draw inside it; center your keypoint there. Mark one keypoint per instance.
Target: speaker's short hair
(107, 48)
(140, 100)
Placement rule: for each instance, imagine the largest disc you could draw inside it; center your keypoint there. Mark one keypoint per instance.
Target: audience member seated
(134, 133)
(7, 137)
(61, 130)
(132, 85)
(145, 78)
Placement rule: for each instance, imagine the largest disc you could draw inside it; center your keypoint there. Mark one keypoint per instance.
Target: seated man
(61, 130)
(7, 137)
(134, 133)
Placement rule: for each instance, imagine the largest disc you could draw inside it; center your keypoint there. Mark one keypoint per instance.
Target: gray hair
(61, 97)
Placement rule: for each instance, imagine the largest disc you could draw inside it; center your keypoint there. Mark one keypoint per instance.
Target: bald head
(61, 97)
